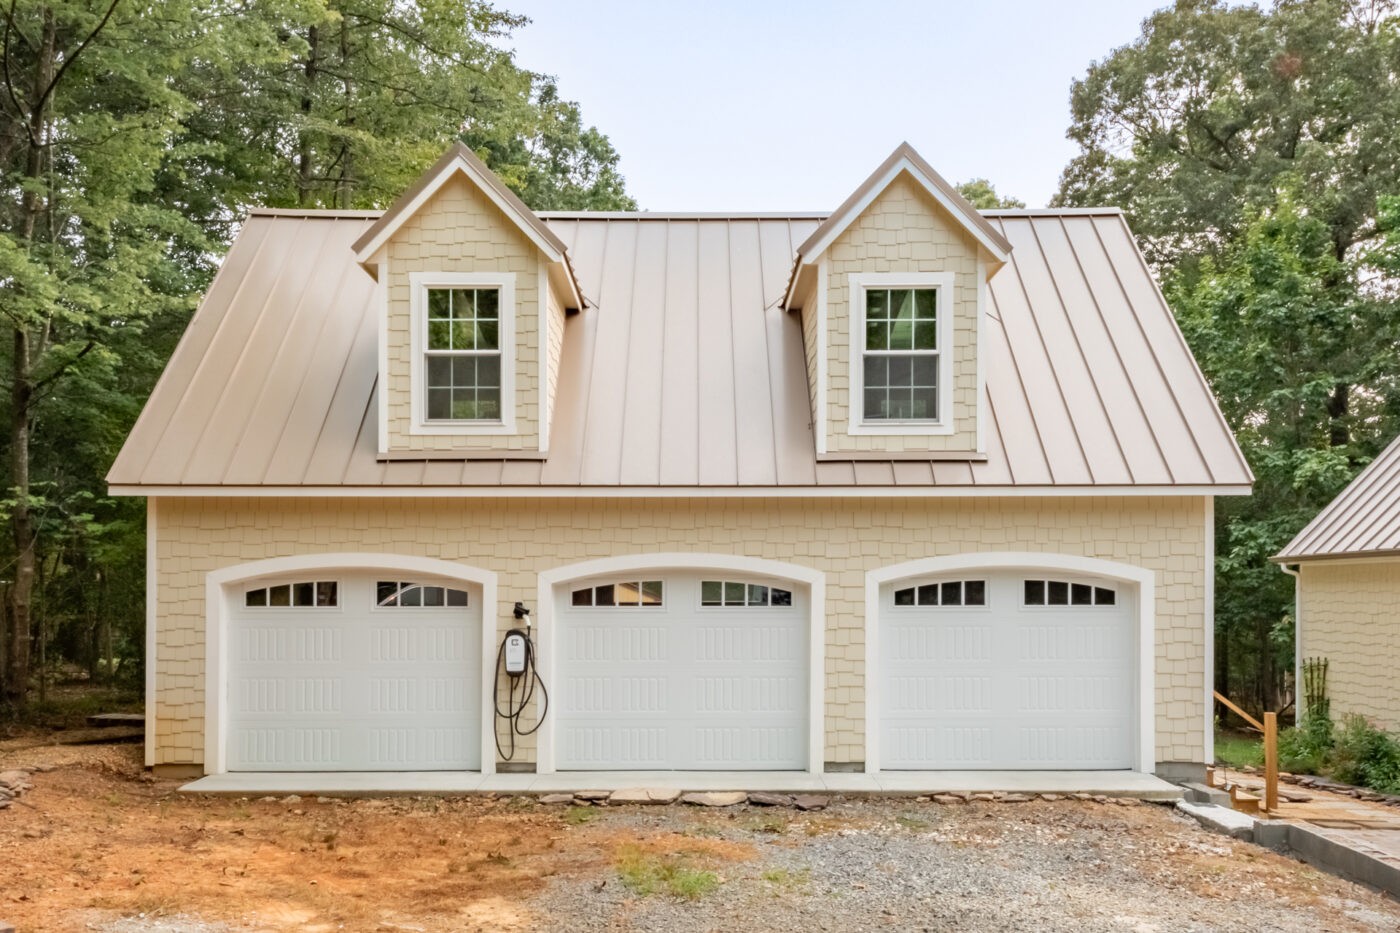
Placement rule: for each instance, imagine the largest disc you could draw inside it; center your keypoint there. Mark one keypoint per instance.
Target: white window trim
(857, 283)
(419, 283)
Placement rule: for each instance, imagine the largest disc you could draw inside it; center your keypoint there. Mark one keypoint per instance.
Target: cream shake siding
(842, 538)
(1351, 617)
(903, 230)
(460, 230)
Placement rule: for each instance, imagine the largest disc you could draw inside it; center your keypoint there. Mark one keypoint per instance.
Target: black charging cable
(527, 681)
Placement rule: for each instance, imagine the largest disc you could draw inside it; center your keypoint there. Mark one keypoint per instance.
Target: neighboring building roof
(1363, 521)
(685, 371)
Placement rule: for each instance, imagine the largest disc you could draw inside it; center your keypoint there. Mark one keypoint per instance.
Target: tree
(981, 195)
(1251, 149)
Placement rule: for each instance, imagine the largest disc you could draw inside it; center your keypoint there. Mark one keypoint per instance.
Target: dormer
(473, 292)
(892, 292)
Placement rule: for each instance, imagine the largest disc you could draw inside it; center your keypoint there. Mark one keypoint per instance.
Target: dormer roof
(903, 160)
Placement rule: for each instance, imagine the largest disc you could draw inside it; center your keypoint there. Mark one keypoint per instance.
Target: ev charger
(515, 654)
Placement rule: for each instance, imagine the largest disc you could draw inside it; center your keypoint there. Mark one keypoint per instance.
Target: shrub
(1307, 747)
(1366, 756)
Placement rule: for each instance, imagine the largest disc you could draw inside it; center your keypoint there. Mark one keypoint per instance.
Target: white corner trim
(1144, 579)
(933, 190)
(542, 294)
(856, 285)
(152, 617)
(419, 283)
(1208, 675)
(814, 580)
(218, 607)
(981, 352)
(1299, 705)
(381, 300)
(821, 425)
(485, 187)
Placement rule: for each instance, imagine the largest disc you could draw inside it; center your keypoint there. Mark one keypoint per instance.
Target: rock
(593, 795)
(986, 798)
(1100, 798)
(291, 798)
(270, 800)
(6, 927)
(761, 799)
(45, 769)
(715, 798)
(948, 798)
(1082, 796)
(810, 801)
(325, 800)
(4, 804)
(1015, 798)
(557, 798)
(1050, 797)
(14, 779)
(644, 796)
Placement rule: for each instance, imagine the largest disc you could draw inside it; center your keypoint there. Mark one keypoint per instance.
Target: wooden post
(1271, 762)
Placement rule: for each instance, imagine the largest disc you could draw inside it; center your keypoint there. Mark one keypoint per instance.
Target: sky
(762, 105)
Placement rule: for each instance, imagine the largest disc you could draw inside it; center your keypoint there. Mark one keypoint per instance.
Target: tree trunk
(22, 396)
(1338, 406)
(305, 180)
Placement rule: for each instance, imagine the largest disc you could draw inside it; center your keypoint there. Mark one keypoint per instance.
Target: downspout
(1297, 639)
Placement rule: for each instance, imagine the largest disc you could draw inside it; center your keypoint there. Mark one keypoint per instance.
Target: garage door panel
(355, 686)
(681, 686)
(1006, 685)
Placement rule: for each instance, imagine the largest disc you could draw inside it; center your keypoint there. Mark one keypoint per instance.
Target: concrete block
(1222, 820)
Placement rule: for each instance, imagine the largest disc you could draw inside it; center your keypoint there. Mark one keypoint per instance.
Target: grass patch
(645, 873)
(912, 823)
(783, 878)
(577, 816)
(768, 822)
(1239, 750)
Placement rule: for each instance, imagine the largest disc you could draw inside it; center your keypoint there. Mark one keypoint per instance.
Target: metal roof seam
(305, 289)
(1021, 383)
(1079, 344)
(1344, 522)
(1001, 440)
(595, 322)
(774, 418)
(1118, 355)
(1054, 374)
(209, 359)
(1202, 383)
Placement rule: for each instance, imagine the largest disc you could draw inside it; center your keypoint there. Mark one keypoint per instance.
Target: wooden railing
(1269, 727)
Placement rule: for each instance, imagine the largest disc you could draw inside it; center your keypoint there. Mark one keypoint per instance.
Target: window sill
(467, 428)
(905, 428)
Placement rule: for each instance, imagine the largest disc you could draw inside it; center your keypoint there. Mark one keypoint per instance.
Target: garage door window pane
(1081, 594)
(255, 598)
(326, 593)
(975, 593)
(583, 597)
(434, 596)
(712, 593)
(651, 592)
(731, 593)
(603, 596)
(1104, 597)
(780, 597)
(951, 595)
(1067, 593)
(303, 594)
(1057, 593)
(629, 593)
(758, 595)
(279, 595)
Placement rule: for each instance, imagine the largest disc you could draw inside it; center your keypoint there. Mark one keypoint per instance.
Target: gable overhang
(460, 160)
(903, 160)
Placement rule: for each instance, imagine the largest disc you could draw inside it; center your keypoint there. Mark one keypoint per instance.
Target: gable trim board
(669, 492)
(1140, 577)
(552, 580)
(218, 601)
(152, 619)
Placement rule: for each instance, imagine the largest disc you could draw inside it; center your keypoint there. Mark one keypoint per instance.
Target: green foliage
(1305, 748)
(1239, 751)
(1366, 756)
(1253, 150)
(981, 195)
(647, 873)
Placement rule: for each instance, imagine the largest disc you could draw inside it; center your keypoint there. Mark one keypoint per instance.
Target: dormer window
(901, 377)
(463, 352)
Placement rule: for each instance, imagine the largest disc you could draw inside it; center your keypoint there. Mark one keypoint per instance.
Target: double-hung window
(463, 352)
(901, 372)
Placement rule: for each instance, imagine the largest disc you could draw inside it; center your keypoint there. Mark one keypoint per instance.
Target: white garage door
(682, 671)
(362, 672)
(1002, 670)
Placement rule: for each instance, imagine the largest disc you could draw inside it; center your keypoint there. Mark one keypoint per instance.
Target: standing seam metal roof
(1363, 521)
(685, 371)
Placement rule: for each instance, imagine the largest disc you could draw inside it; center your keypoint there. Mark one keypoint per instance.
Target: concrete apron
(1131, 784)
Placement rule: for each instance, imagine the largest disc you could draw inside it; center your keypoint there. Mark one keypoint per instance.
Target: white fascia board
(669, 492)
(904, 165)
(366, 253)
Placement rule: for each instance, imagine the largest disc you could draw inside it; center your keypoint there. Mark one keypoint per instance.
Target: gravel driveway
(905, 865)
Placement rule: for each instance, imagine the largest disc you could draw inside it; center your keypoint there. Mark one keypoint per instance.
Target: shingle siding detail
(903, 230)
(1351, 617)
(843, 538)
(460, 230)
